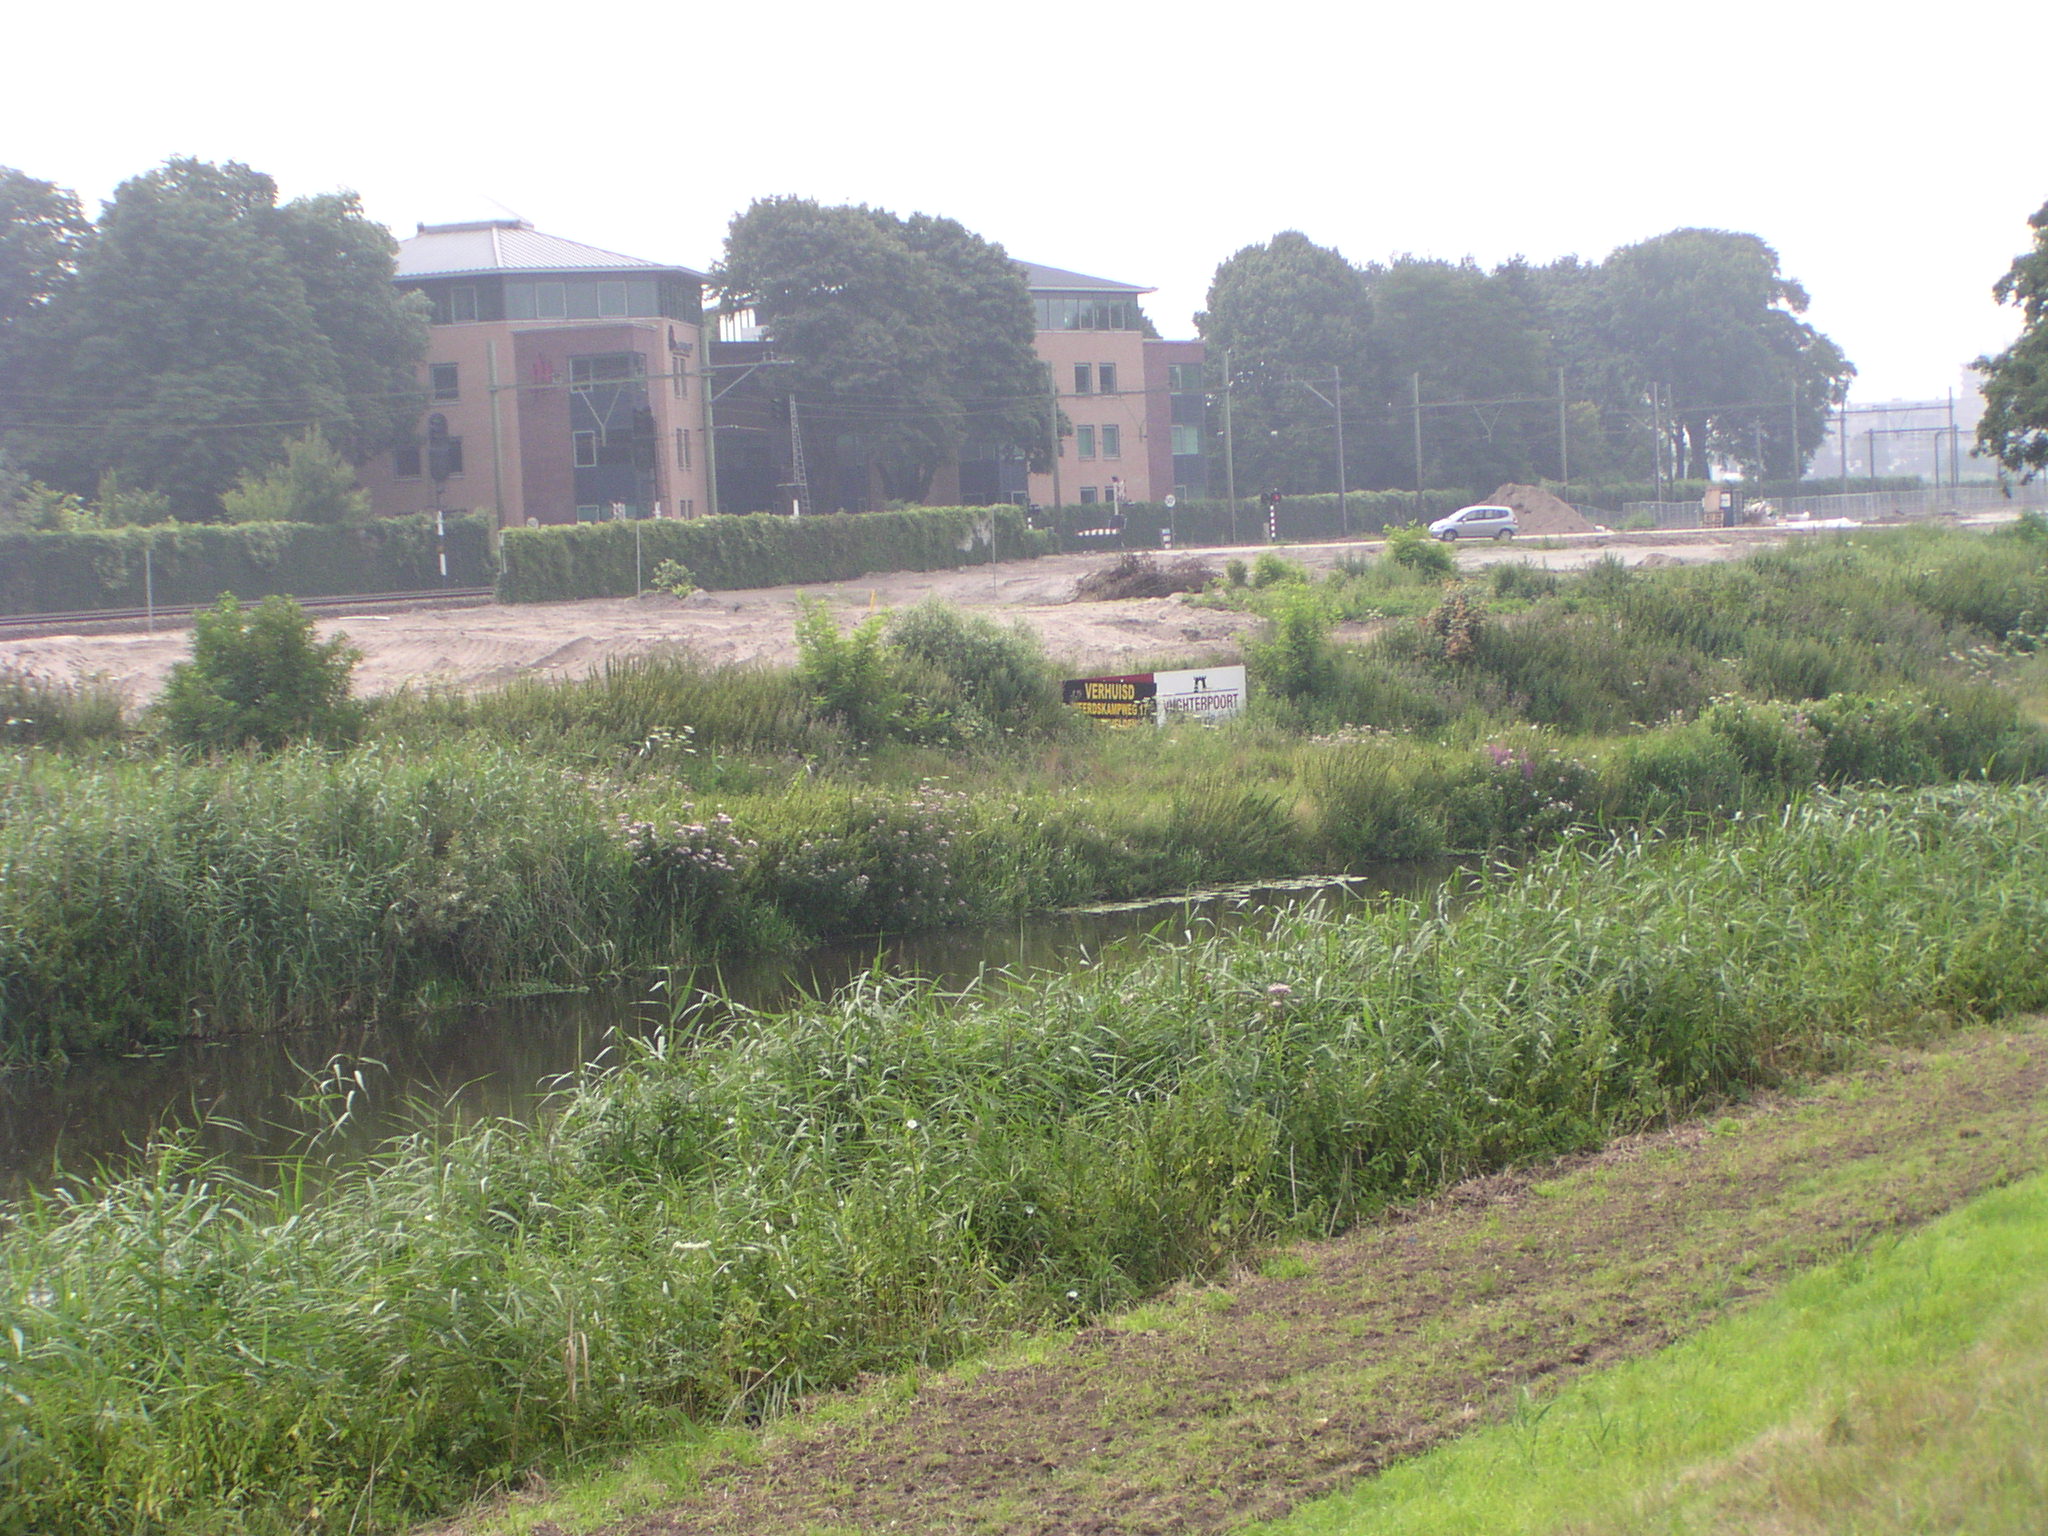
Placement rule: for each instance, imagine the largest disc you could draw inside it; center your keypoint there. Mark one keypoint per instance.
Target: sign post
(1135, 698)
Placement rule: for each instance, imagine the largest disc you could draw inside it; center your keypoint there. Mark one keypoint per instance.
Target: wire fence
(1859, 506)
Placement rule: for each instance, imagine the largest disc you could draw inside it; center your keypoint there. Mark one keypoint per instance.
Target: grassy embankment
(543, 835)
(896, 1178)
(1899, 1391)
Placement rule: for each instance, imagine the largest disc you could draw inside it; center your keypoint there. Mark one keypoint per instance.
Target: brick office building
(562, 380)
(1134, 403)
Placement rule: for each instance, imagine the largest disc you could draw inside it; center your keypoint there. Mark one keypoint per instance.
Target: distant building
(1934, 439)
(1135, 408)
(563, 381)
(1135, 405)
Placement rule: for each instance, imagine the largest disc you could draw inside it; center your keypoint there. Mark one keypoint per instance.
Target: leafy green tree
(1469, 337)
(314, 484)
(33, 507)
(258, 678)
(377, 334)
(1289, 311)
(903, 339)
(42, 232)
(1706, 316)
(2014, 427)
(206, 327)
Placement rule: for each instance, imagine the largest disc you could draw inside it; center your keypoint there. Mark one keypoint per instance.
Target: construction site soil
(478, 647)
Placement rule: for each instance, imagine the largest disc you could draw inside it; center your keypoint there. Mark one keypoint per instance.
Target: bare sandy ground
(483, 646)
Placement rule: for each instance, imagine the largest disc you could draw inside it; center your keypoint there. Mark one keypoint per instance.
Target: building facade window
(586, 449)
(1084, 379)
(1180, 493)
(444, 457)
(1084, 312)
(582, 299)
(1186, 439)
(455, 304)
(1084, 442)
(585, 373)
(588, 513)
(682, 447)
(1089, 495)
(1105, 374)
(1112, 442)
(445, 380)
(405, 462)
(1184, 378)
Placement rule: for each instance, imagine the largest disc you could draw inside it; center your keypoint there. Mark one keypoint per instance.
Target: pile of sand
(1539, 512)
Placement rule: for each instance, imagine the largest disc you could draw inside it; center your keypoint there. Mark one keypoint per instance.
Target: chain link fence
(1859, 507)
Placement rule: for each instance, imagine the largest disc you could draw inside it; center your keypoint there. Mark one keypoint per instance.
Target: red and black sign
(1127, 700)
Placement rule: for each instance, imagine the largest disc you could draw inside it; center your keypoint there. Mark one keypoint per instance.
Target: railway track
(102, 620)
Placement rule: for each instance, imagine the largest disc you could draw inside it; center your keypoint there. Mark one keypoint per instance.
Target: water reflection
(242, 1098)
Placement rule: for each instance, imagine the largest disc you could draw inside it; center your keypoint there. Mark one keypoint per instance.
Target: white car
(1476, 523)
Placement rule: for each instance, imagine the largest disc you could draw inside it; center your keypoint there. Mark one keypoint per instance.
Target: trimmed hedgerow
(197, 562)
(616, 559)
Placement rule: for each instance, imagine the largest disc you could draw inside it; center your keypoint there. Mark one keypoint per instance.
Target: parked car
(1476, 523)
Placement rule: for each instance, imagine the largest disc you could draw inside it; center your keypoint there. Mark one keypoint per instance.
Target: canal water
(244, 1097)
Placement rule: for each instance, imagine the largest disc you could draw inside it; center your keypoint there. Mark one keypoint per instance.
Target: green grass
(1902, 1390)
(553, 834)
(896, 1177)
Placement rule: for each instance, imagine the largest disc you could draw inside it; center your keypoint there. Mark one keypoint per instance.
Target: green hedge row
(195, 562)
(616, 559)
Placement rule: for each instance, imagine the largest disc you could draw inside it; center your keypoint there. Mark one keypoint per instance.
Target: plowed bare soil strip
(1225, 1404)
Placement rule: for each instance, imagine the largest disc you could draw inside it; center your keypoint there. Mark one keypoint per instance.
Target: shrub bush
(1293, 658)
(1414, 548)
(313, 484)
(1776, 744)
(849, 675)
(1000, 671)
(260, 679)
(1270, 570)
(674, 578)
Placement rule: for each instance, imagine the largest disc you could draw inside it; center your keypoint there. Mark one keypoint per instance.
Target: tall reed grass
(548, 833)
(735, 1215)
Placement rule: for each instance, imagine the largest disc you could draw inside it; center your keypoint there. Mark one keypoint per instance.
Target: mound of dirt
(1142, 576)
(1539, 512)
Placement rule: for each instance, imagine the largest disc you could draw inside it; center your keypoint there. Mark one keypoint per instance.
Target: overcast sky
(1892, 162)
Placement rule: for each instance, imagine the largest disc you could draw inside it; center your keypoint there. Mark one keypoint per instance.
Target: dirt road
(1233, 1402)
(479, 647)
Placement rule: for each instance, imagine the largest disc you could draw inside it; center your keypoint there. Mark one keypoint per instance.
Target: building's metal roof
(1058, 280)
(510, 245)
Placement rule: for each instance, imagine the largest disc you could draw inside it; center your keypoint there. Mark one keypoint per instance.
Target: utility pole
(1415, 395)
(1343, 510)
(1657, 438)
(1564, 446)
(1955, 463)
(1796, 469)
(708, 375)
(497, 433)
(1229, 450)
(1336, 404)
(802, 487)
(1053, 435)
(1842, 427)
(706, 379)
